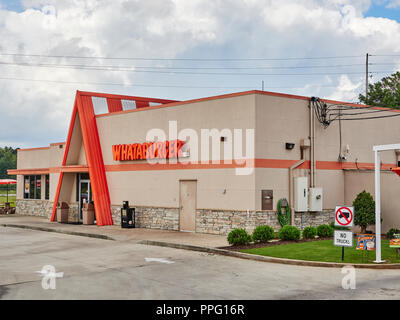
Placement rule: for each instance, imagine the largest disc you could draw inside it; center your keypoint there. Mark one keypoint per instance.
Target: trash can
(88, 213)
(62, 212)
(7, 208)
(127, 216)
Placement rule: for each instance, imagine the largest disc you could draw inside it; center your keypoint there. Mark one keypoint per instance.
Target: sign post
(343, 238)
(344, 217)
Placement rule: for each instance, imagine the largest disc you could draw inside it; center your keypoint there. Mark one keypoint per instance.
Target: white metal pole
(378, 206)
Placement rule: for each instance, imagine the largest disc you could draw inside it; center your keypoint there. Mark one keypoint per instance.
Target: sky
(179, 49)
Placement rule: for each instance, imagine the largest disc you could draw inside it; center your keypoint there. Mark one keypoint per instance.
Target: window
(128, 104)
(32, 187)
(99, 105)
(47, 187)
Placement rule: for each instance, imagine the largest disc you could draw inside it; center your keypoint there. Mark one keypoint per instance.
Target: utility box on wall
(267, 198)
(315, 199)
(301, 194)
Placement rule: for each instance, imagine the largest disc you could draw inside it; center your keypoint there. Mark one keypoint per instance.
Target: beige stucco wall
(33, 159)
(332, 183)
(282, 119)
(56, 154)
(235, 112)
(361, 136)
(42, 158)
(276, 180)
(161, 188)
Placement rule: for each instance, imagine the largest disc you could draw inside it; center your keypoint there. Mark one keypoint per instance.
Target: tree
(384, 93)
(364, 210)
(8, 160)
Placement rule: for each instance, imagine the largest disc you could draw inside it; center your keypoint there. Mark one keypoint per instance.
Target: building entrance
(85, 194)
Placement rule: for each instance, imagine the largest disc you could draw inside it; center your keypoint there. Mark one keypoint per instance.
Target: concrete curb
(223, 252)
(73, 233)
(249, 256)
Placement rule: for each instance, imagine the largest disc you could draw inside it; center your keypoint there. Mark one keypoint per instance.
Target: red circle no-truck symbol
(344, 216)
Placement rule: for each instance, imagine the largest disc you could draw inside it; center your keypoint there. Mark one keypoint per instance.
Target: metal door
(187, 205)
(85, 195)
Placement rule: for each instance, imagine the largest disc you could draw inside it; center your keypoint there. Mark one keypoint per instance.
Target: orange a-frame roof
(83, 107)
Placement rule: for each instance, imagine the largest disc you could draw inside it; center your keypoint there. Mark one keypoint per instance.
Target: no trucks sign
(344, 216)
(343, 238)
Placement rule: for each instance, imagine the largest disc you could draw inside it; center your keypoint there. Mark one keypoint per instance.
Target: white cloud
(346, 90)
(393, 4)
(37, 113)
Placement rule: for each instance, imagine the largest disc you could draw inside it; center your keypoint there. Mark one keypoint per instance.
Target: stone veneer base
(211, 221)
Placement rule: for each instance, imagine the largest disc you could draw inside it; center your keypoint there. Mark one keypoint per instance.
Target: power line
(176, 59)
(85, 67)
(121, 84)
(174, 68)
(325, 115)
(357, 113)
(155, 85)
(377, 117)
(385, 55)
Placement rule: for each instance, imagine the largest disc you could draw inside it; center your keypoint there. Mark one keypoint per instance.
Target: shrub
(263, 234)
(324, 231)
(392, 231)
(238, 237)
(364, 210)
(289, 233)
(309, 232)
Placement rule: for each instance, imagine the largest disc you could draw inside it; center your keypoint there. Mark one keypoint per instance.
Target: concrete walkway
(115, 232)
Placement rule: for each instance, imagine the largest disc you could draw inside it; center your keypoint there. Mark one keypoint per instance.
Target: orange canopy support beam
(396, 170)
(91, 142)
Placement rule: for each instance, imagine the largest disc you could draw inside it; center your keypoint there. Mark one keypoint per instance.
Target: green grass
(11, 199)
(325, 251)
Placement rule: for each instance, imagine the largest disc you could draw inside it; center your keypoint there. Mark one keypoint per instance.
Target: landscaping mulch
(274, 242)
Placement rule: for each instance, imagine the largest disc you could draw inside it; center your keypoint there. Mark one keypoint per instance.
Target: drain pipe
(298, 163)
(312, 145)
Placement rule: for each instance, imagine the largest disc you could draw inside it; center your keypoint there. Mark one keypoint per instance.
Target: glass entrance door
(85, 195)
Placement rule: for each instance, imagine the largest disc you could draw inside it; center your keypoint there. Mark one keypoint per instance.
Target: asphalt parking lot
(104, 269)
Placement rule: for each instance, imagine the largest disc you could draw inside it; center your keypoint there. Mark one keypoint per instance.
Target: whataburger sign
(147, 150)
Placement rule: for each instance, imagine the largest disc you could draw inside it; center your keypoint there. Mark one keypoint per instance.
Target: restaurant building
(213, 164)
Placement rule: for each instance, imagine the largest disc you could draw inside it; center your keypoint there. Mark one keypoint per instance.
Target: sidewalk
(115, 232)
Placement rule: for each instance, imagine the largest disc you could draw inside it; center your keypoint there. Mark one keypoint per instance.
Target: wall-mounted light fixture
(289, 145)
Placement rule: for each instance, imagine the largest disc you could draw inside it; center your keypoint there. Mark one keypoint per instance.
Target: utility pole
(262, 85)
(366, 78)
